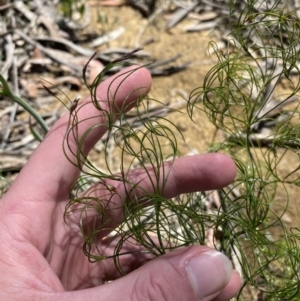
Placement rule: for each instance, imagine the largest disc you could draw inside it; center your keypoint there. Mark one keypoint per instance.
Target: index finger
(48, 167)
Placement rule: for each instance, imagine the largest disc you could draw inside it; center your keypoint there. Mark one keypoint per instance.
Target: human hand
(41, 256)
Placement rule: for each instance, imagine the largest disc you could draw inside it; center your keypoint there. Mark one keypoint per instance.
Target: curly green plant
(141, 139)
(241, 95)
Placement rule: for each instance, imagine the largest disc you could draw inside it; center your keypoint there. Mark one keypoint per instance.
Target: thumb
(194, 273)
(197, 273)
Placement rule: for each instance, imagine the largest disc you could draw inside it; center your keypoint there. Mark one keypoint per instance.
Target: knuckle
(153, 287)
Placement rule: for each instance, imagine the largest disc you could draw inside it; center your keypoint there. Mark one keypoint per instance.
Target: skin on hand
(41, 256)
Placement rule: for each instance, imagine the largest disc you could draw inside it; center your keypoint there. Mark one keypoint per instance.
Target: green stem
(6, 92)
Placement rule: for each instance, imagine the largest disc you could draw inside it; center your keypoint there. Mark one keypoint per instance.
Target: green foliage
(239, 97)
(146, 141)
(69, 7)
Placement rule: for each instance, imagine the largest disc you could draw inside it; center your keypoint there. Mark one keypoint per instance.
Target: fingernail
(208, 273)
